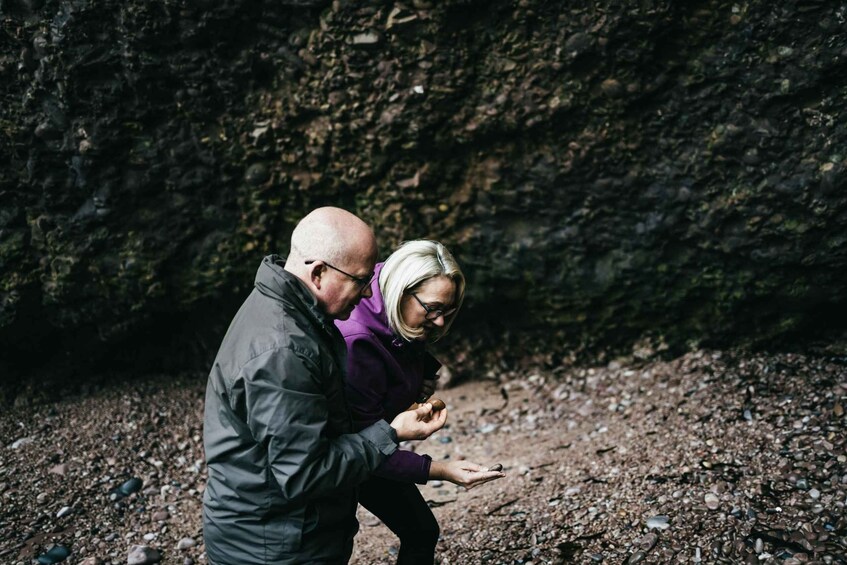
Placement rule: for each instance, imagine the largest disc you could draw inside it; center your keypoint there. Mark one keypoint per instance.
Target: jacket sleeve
(406, 466)
(287, 413)
(366, 388)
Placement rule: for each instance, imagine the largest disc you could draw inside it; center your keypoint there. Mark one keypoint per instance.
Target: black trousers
(403, 509)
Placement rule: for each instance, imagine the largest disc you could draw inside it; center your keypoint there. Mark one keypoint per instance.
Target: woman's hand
(419, 423)
(463, 473)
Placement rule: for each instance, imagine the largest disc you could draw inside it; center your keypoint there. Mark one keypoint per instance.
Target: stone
(711, 500)
(127, 488)
(257, 173)
(647, 542)
(142, 555)
(660, 522)
(60, 469)
(160, 515)
(18, 443)
(55, 554)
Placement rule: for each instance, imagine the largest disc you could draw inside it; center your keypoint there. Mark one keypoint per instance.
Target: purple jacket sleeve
(367, 395)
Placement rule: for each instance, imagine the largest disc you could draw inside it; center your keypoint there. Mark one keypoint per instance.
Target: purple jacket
(384, 377)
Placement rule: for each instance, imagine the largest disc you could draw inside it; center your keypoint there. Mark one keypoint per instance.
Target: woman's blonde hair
(411, 265)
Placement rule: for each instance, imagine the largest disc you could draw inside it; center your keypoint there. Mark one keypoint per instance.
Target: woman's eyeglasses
(433, 313)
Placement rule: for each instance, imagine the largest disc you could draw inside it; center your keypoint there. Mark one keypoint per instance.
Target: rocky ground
(713, 457)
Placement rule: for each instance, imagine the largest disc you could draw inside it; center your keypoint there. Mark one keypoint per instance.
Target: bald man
(283, 461)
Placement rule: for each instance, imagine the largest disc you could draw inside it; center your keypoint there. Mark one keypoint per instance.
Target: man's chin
(344, 314)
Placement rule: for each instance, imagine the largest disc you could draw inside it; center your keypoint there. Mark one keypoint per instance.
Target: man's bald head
(331, 251)
(333, 235)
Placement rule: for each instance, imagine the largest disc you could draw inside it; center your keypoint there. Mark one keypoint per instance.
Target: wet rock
(127, 488)
(186, 543)
(578, 44)
(660, 522)
(18, 443)
(60, 469)
(399, 17)
(160, 516)
(414, 76)
(612, 88)
(142, 555)
(712, 501)
(366, 39)
(55, 554)
(647, 542)
(257, 173)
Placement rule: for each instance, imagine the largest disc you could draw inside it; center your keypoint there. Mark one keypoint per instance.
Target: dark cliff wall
(605, 171)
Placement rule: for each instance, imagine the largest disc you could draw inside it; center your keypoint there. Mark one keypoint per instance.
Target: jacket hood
(370, 313)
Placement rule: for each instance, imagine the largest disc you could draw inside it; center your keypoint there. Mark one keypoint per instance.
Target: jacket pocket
(284, 535)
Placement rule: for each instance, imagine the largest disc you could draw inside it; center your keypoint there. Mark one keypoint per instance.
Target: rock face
(604, 171)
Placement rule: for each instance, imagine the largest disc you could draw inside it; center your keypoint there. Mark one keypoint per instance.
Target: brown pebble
(437, 404)
(496, 467)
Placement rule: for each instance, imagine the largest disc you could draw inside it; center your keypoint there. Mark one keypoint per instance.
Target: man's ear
(315, 271)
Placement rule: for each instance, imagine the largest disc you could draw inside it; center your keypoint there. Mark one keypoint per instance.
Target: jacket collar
(370, 312)
(273, 281)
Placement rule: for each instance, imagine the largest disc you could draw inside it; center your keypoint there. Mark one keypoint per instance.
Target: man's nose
(439, 321)
(367, 292)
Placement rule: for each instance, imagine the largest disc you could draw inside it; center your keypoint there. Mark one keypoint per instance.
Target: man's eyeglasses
(361, 282)
(433, 313)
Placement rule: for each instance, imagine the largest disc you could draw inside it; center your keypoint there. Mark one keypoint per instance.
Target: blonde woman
(416, 294)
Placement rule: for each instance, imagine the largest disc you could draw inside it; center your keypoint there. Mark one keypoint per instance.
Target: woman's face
(437, 293)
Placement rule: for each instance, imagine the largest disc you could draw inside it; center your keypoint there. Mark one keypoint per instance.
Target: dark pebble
(56, 554)
(132, 485)
(257, 173)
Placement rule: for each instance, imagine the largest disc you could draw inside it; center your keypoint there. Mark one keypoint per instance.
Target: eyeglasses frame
(430, 310)
(361, 282)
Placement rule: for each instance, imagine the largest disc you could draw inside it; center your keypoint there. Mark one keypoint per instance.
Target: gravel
(713, 457)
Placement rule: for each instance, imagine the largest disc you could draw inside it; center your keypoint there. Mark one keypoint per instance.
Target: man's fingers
(426, 411)
(441, 417)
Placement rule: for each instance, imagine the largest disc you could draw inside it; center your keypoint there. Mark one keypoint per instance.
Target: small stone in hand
(496, 467)
(437, 404)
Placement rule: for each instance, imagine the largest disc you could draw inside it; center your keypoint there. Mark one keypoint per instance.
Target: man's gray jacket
(283, 463)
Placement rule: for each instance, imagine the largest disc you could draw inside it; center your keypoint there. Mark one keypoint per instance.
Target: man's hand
(419, 423)
(463, 473)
